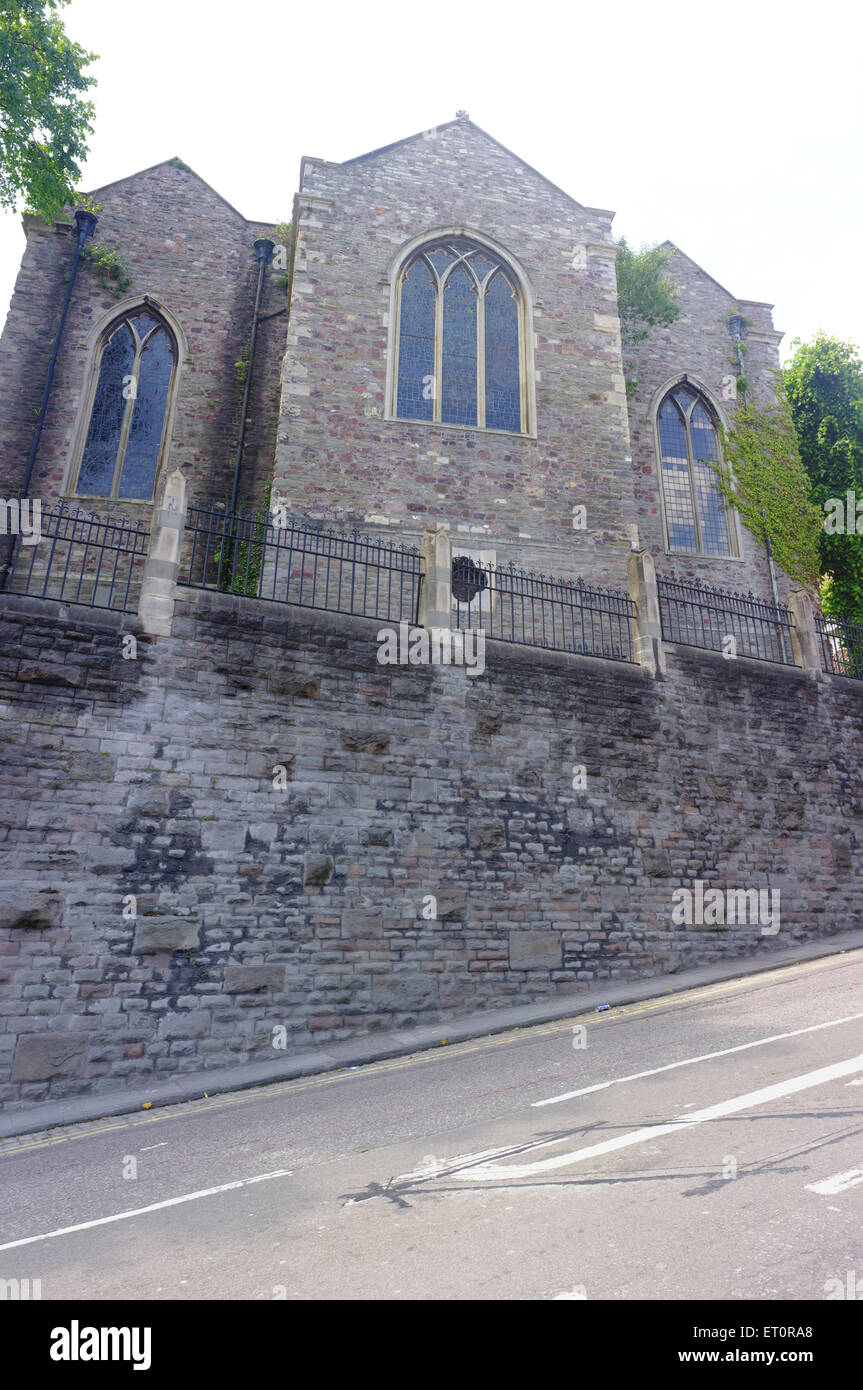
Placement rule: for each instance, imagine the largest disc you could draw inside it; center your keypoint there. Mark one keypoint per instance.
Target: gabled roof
(670, 246)
(176, 162)
(465, 121)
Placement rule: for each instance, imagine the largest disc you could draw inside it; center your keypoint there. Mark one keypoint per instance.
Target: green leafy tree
(824, 383)
(645, 297)
(44, 118)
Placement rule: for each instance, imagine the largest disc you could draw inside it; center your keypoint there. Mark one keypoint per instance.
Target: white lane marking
(838, 1183)
(163, 1145)
(705, 1057)
(486, 1171)
(156, 1206)
(858, 1082)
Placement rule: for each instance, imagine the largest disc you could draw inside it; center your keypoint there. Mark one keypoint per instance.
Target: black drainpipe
(86, 227)
(86, 223)
(263, 251)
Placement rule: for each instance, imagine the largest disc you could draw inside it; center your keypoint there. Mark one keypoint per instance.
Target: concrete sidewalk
(376, 1047)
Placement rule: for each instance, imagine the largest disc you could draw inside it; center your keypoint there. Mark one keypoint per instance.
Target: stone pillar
(436, 591)
(805, 641)
(646, 626)
(156, 604)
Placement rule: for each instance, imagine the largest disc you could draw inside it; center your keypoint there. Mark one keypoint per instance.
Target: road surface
(697, 1146)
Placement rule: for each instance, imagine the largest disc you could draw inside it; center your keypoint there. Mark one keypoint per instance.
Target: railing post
(646, 625)
(156, 602)
(436, 588)
(805, 640)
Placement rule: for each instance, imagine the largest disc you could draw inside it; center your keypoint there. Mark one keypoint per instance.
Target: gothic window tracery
(125, 433)
(460, 339)
(696, 517)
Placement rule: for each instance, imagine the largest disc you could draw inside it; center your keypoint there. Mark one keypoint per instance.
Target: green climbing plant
(241, 366)
(761, 474)
(109, 266)
(239, 560)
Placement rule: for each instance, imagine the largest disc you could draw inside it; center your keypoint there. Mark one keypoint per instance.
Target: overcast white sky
(732, 129)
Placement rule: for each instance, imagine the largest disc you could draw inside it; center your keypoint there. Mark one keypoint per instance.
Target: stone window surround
(689, 379)
(527, 343)
(95, 341)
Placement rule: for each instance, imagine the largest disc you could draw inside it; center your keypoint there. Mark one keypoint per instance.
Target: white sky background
(732, 129)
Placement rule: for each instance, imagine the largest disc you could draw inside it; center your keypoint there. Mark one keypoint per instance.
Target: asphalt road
(601, 1157)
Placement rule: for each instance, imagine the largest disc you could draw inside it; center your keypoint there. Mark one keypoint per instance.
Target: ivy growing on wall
(762, 475)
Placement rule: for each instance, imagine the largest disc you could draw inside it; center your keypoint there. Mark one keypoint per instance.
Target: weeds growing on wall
(109, 266)
(239, 562)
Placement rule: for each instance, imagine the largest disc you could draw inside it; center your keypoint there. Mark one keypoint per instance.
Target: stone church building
(230, 831)
(439, 342)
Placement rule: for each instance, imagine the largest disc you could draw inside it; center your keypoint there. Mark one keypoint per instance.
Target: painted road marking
(156, 1206)
(790, 972)
(705, 1057)
(838, 1183)
(481, 1166)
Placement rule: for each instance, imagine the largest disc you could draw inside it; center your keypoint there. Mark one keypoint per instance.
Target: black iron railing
(536, 610)
(841, 645)
(267, 555)
(79, 558)
(700, 616)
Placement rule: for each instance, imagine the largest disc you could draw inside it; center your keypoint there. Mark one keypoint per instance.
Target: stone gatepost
(156, 603)
(436, 590)
(646, 625)
(805, 641)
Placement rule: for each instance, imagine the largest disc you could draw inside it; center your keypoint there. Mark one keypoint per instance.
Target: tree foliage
(44, 118)
(645, 295)
(645, 298)
(762, 475)
(824, 383)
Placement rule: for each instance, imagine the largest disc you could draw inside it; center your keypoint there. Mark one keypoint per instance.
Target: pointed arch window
(125, 436)
(697, 521)
(460, 355)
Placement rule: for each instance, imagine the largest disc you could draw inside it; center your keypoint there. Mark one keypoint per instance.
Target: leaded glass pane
(142, 324)
(440, 259)
(481, 267)
(711, 511)
(148, 419)
(458, 389)
(96, 475)
(416, 344)
(502, 375)
(679, 443)
(680, 518)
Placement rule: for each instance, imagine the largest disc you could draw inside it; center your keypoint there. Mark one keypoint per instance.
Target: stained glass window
(460, 339)
(460, 301)
(127, 421)
(416, 344)
(502, 377)
(695, 514)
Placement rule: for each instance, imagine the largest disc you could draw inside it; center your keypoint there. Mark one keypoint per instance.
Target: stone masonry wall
(339, 459)
(147, 784)
(191, 253)
(699, 344)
